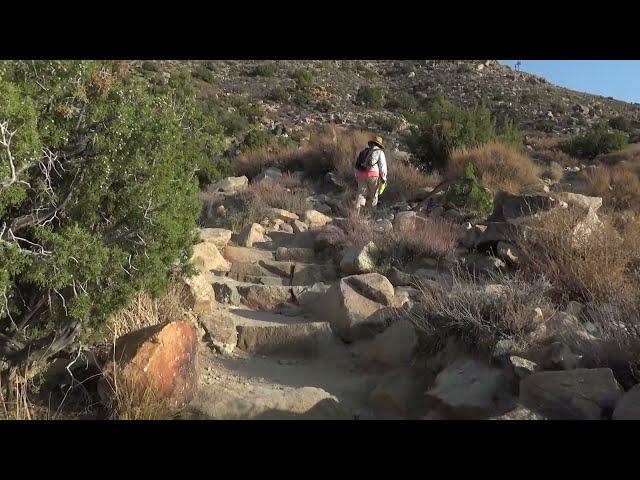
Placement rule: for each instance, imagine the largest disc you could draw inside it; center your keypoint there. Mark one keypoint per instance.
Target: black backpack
(364, 162)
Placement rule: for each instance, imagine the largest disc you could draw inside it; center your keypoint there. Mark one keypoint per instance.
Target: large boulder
(580, 394)
(161, 358)
(517, 208)
(394, 347)
(471, 389)
(359, 259)
(628, 407)
(353, 299)
(206, 257)
(251, 234)
(218, 236)
(229, 185)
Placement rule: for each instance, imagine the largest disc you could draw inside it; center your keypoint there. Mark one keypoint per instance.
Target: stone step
(264, 333)
(245, 254)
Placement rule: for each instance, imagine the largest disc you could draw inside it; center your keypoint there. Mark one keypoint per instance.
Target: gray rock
(359, 259)
(270, 174)
(226, 293)
(581, 394)
(470, 389)
(628, 407)
(229, 185)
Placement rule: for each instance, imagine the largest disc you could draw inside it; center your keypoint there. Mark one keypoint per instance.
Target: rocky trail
(287, 362)
(289, 323)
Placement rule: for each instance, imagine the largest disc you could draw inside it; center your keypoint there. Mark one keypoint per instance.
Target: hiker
(371, 173)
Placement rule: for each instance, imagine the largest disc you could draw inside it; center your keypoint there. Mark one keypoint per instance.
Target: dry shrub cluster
(252, 205)
(548, 157)
(145, 311)
(131, 399)
(430, 238)
(497, 167)
(616, 180)
(481, 314)
(586, 267)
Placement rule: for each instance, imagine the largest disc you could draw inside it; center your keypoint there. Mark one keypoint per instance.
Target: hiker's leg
(372, 187)
(361, 192)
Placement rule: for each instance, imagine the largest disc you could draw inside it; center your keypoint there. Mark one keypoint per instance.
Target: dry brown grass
(618, 185)
(252, 205)
(550, 156)
(131, 399)
(497, 167)
(431, 238)
(587, 268)
(145, 311)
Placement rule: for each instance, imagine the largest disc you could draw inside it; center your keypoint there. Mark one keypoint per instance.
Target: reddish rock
(162, 358)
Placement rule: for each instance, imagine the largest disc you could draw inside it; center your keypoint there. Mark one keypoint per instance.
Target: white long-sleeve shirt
(379, 162)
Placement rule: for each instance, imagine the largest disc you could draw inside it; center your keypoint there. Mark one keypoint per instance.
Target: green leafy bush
(621, 123)
(445, 127)
(150, 66)
(302, 97)
(268, 69)
(401, 101)
(103, 201)
(303, 77)
(599, 140)
(467, 194)
(278, 94)
(384, 122)
(204, 74)
(372, 97)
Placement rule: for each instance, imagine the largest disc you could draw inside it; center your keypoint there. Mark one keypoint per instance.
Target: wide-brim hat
(377, 141)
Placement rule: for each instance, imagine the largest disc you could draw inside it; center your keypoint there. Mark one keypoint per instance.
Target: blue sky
(619, 79)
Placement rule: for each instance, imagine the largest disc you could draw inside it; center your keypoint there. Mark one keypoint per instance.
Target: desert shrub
(555, 156)
(630, 156)
(528, 97)
(150, 66)
(582, 266)
(204, 74)
(599, 140)
(621, 123)
(497, 166)
(371, 97)
(132, 399)
(619, 186)
(468, 195)
(546, 126)
(252, 205)
(278, 94)
(302, 97)
(387, 123)
(553, 172)
(558, 107)
(324, 106)
(232, 122)
(364, 70)
(428, 238)
(245, 108)
(445, 127)
(480, 317)
(302, 77)
(267, 69)
(103, 202)
(401, 101)
(255, 161)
